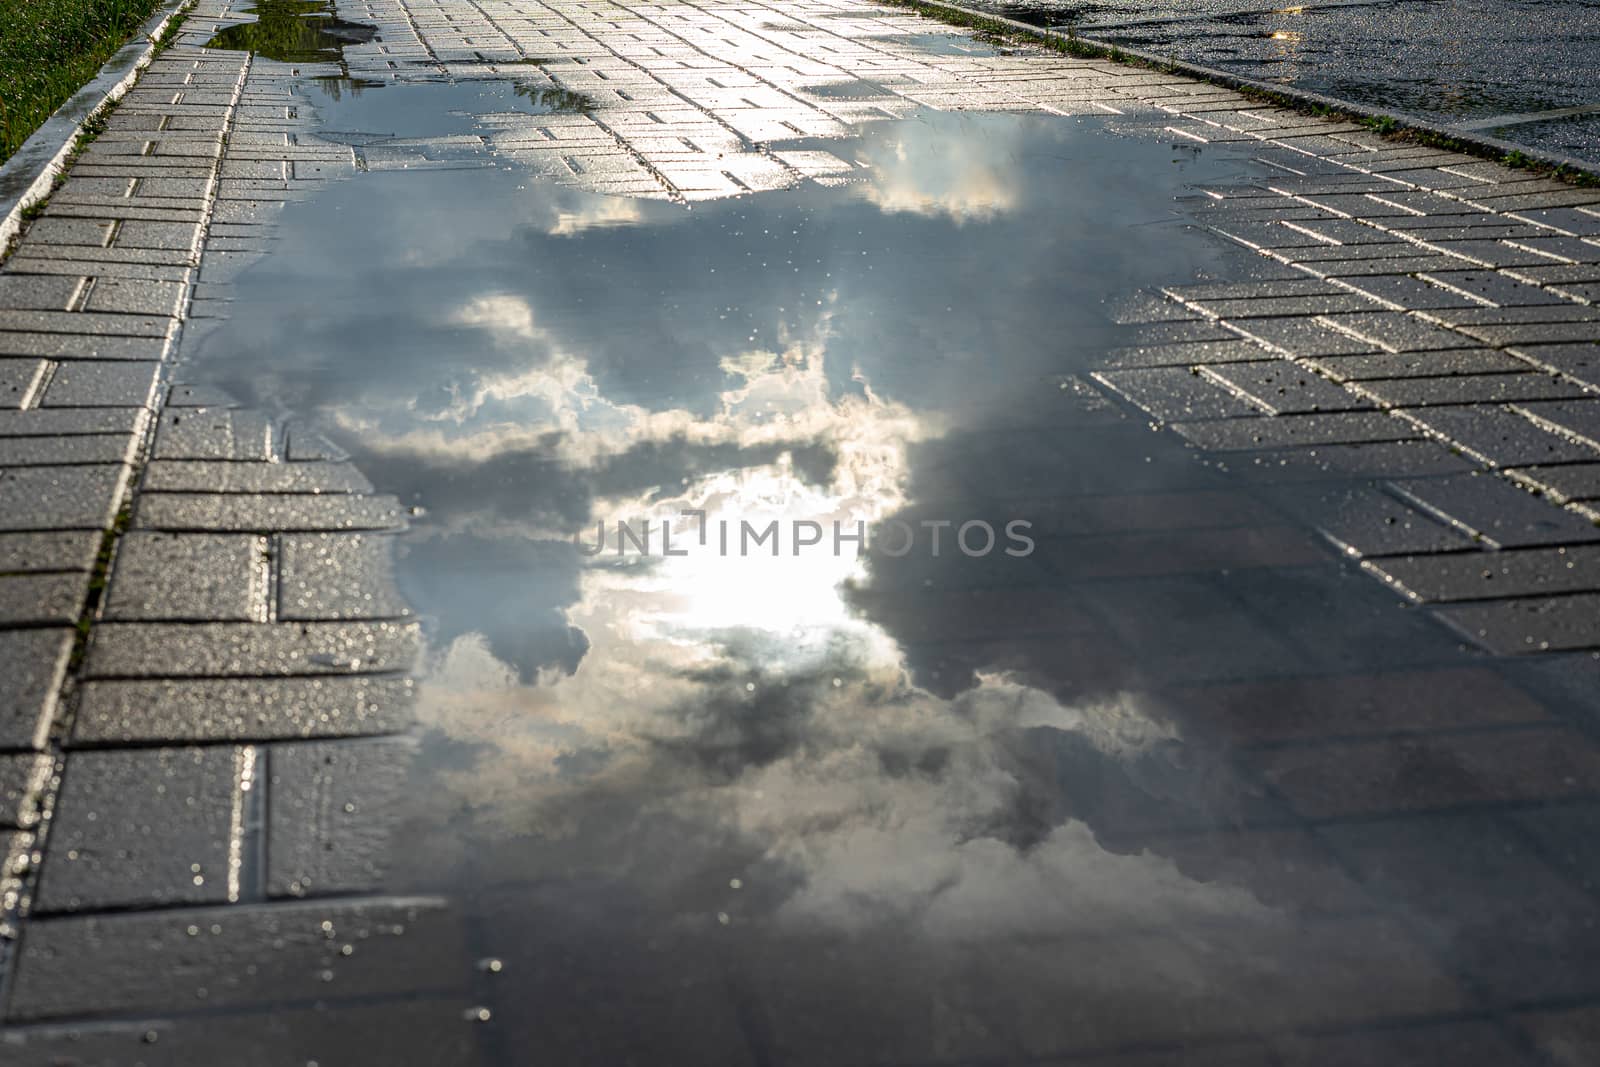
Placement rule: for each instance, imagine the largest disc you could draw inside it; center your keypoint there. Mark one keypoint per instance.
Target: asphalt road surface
(1524, 70)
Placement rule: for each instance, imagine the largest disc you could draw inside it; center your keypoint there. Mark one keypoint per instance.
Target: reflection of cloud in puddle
(943, 173)
(594, 214)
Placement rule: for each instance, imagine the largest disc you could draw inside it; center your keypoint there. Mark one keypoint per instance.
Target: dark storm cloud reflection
(678, 746)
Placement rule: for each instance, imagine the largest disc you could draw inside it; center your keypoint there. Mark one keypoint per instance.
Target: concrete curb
(1491, 147)
(27, 177)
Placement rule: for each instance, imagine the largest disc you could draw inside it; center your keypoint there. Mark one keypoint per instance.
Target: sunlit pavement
(1269, 741)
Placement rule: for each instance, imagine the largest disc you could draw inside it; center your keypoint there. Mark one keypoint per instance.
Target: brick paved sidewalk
(215, 734)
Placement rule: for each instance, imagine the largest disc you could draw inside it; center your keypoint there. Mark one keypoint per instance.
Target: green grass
(51, 48)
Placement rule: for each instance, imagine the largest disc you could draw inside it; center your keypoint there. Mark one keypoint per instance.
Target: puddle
(294, 31)
(986, 801)
(357, 111)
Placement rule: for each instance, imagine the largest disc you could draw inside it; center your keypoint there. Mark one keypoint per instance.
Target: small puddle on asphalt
(970, 799)
(294, 31)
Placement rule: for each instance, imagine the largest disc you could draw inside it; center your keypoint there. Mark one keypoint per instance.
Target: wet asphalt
(1493, 66)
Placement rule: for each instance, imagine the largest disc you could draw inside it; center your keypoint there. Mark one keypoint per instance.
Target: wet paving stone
(170, 960)
(253, 512)
(404, 1032)
(1500, 436)
(128, 712)
(19, 379)
(201, 476)
(338, 576)
(142, 828)
(155, 650)
(1512, 627)
(1500, 574)
(213, 434)
(333, 806)
(22, 780)
(33, 662)
(42, 599)
(189, 577)
(60, 498)
(1497, 511)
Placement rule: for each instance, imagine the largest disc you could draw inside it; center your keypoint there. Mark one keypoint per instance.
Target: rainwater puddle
(1089, 749)
(294, 31)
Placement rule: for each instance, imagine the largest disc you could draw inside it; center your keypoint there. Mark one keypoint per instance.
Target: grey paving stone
(1500, 316)
(186, 395)
(1331, 428)
(1251, 290)
(38, 292)
(1493, 575)
(81, 346)
(254, 709)
(1496, 510)
(39, 422)
(1166, 333)
(267, 512)
(333, 805)
(188, 577)
(19, 378)
(1304, 337)
(1347, 269)
(1282, 387)
(1537, 624)
(23, 776)
(179, 236)
(1469, 389)
(213, 433)
(230, 650)
(1404, 291)
(1171, 393)
(1365, 522)
(60, 498)
(307, 445)
(1575, 418)
(399, 1032)
(142, 827)
(86, 322)
(57, 231)
(32, 665)
(85, 383)
(1575, 481)
(200, 476)
(1534, 333)
(1580, 361)
(338, 576)
(1396, 331)
(42, 599)
(25, 553)
(133, 296)
(1418, 364)
(174, 959)
(1494, 286)
(67, 451)
(1499, 436)
(1384, 458)
(1277, 307)
(1185, 355)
